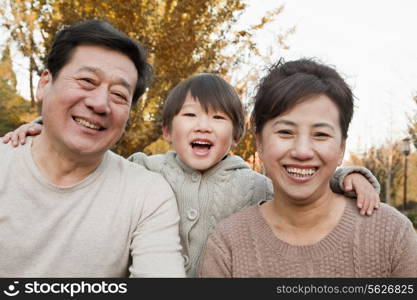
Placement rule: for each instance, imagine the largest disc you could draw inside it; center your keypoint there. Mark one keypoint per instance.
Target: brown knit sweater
(382, 245)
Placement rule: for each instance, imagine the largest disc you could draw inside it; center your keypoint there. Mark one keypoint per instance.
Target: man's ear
(43, 85)
(166, 133)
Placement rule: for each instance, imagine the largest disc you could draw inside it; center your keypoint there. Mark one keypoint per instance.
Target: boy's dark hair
(100, 33)
(289, 83)
(212, 92)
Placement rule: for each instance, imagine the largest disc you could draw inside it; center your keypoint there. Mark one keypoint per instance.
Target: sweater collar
(336, 238)
(228, 163)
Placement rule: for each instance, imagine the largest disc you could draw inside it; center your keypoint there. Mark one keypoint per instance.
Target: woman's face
(301, 149)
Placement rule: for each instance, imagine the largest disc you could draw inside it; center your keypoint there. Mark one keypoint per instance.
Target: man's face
(86, 107)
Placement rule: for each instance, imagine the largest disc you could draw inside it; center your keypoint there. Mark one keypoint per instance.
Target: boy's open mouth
(201, 147)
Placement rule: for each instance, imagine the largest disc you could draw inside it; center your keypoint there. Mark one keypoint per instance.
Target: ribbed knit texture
(205, 198)
(382, 245)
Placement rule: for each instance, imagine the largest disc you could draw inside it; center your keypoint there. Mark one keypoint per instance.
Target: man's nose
(98, 101)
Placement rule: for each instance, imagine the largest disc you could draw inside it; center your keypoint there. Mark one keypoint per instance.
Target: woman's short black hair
(289, 83)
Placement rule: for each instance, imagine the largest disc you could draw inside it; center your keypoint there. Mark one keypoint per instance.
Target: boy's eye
(219, 117)
(189, 114)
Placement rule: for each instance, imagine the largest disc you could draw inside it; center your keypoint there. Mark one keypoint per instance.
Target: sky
(372, 43)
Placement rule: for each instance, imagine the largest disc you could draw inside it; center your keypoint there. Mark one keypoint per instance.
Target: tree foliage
(182, 38)
(14, 110)
(386, 163)
(412, 126)
(22, 19)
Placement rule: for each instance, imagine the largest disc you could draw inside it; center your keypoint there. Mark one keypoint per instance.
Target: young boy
(203, 118)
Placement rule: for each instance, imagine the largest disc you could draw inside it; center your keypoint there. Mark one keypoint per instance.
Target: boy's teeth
(86, 123)
(298, 172)
(201, 143)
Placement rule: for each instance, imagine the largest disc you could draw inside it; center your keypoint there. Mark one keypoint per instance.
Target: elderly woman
(301, 118)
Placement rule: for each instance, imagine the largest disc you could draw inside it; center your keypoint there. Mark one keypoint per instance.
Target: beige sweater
(382, 245)
(120, 221)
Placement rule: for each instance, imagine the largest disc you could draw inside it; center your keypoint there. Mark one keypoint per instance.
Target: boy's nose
(302, 149)
(203, 124)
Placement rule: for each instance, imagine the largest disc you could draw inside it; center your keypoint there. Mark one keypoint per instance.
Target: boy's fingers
(378, 202)
(6, 138)
(366, 205)
(15, 139)
(22, 138)
(371, 206)
(348, 185)
(362, 204)
(360, 200)
(35, 129)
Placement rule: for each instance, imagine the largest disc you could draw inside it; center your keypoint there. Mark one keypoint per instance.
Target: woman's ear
(342, 153)
(43, 85)
(259, 146)
(166, 133)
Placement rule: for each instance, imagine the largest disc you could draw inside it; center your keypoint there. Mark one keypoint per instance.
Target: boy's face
(200, 138)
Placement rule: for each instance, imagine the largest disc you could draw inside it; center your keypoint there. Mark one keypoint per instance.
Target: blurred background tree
(14, 110)
(182, 38)
(387, 163)
(412, 127)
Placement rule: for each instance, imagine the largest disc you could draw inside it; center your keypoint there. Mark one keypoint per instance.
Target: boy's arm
(38, 120)
(357, 182)
(337, 181)
(18, 136)
(138, 158)
(150, 162)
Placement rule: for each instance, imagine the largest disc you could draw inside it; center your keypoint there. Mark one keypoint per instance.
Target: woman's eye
(321, 134)
(284, 132)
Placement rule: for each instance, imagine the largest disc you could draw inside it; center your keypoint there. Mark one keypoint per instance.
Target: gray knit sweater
(382, 245)
(205, 198)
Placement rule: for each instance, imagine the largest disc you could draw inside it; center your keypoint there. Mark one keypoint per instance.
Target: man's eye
(120, 96)
(87, 80)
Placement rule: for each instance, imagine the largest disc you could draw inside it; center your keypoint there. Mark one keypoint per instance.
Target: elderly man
(69, 207)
